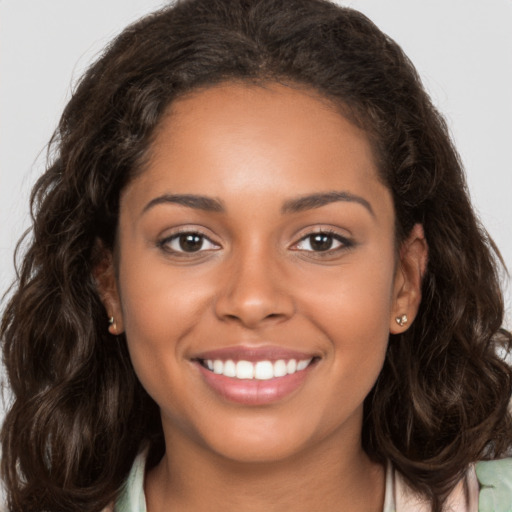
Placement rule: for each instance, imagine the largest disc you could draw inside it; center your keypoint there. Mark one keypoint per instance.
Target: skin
(256, 281)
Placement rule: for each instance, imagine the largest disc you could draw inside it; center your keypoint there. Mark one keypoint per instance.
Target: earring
(401, 320)
(112, 327)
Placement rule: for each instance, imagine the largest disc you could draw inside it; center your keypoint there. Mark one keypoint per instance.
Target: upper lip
(248, 353)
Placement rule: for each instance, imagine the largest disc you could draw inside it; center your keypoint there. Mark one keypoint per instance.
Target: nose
(254, 292)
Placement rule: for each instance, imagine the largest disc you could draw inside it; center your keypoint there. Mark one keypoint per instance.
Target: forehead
(254, 114)
(234, 137)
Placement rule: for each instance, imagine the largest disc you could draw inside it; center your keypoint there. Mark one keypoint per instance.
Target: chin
(262, 451)
(264, 438)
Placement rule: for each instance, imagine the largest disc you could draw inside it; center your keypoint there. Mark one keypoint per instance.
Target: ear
(104, 274)
(408, 279)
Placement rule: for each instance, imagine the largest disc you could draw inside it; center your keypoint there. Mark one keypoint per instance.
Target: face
(258, 277)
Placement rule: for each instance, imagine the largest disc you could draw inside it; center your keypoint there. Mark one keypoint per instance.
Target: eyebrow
(295, 205)
(312, 201)
(207, 204)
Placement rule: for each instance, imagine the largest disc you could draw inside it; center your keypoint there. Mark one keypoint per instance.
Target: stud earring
(401, 320)
(112, 327)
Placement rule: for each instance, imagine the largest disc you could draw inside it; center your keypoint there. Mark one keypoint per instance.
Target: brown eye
(188, 242)
(322, 242)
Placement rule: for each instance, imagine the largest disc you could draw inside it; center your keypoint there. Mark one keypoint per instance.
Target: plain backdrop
(462, 49)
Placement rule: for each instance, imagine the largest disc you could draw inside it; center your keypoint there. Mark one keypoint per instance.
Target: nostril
(252, 305)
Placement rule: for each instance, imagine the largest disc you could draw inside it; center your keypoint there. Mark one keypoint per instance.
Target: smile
(259, 370)
(255, 375)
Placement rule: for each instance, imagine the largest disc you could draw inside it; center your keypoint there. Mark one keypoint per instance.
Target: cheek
(353, 300)
(155, 295)
(353, 310)
(159, 310)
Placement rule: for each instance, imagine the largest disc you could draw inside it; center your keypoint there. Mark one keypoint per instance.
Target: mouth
(255, 376)
(256, 370)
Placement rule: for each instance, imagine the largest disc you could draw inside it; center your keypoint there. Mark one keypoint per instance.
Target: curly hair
(79, 415)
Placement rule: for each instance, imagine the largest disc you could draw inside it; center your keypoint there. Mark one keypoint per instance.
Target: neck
(328, 477)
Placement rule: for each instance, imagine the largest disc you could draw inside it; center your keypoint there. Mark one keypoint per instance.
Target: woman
(255, 282)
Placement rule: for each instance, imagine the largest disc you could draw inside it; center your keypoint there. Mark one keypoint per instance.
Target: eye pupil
(190, 242)
(321, 242)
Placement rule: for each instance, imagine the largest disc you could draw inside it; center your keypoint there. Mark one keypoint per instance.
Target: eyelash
(165, 243)
(345, 243)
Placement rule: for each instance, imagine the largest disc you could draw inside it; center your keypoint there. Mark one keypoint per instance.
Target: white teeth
(301, 365)
(229, 369)
(264, 370)
(261, 370)
(280, 368)
(291, 366)
(218, 366)
(244, 370)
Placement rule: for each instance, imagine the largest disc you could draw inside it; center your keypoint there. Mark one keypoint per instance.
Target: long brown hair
(79, 414)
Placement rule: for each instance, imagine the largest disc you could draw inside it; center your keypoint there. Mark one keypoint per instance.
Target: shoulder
(486, 487)
(495, 481)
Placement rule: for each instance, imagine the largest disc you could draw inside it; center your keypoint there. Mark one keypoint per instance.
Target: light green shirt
(493, 490)
(132, 497)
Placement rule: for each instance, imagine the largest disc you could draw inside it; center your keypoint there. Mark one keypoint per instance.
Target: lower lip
(253, 391)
